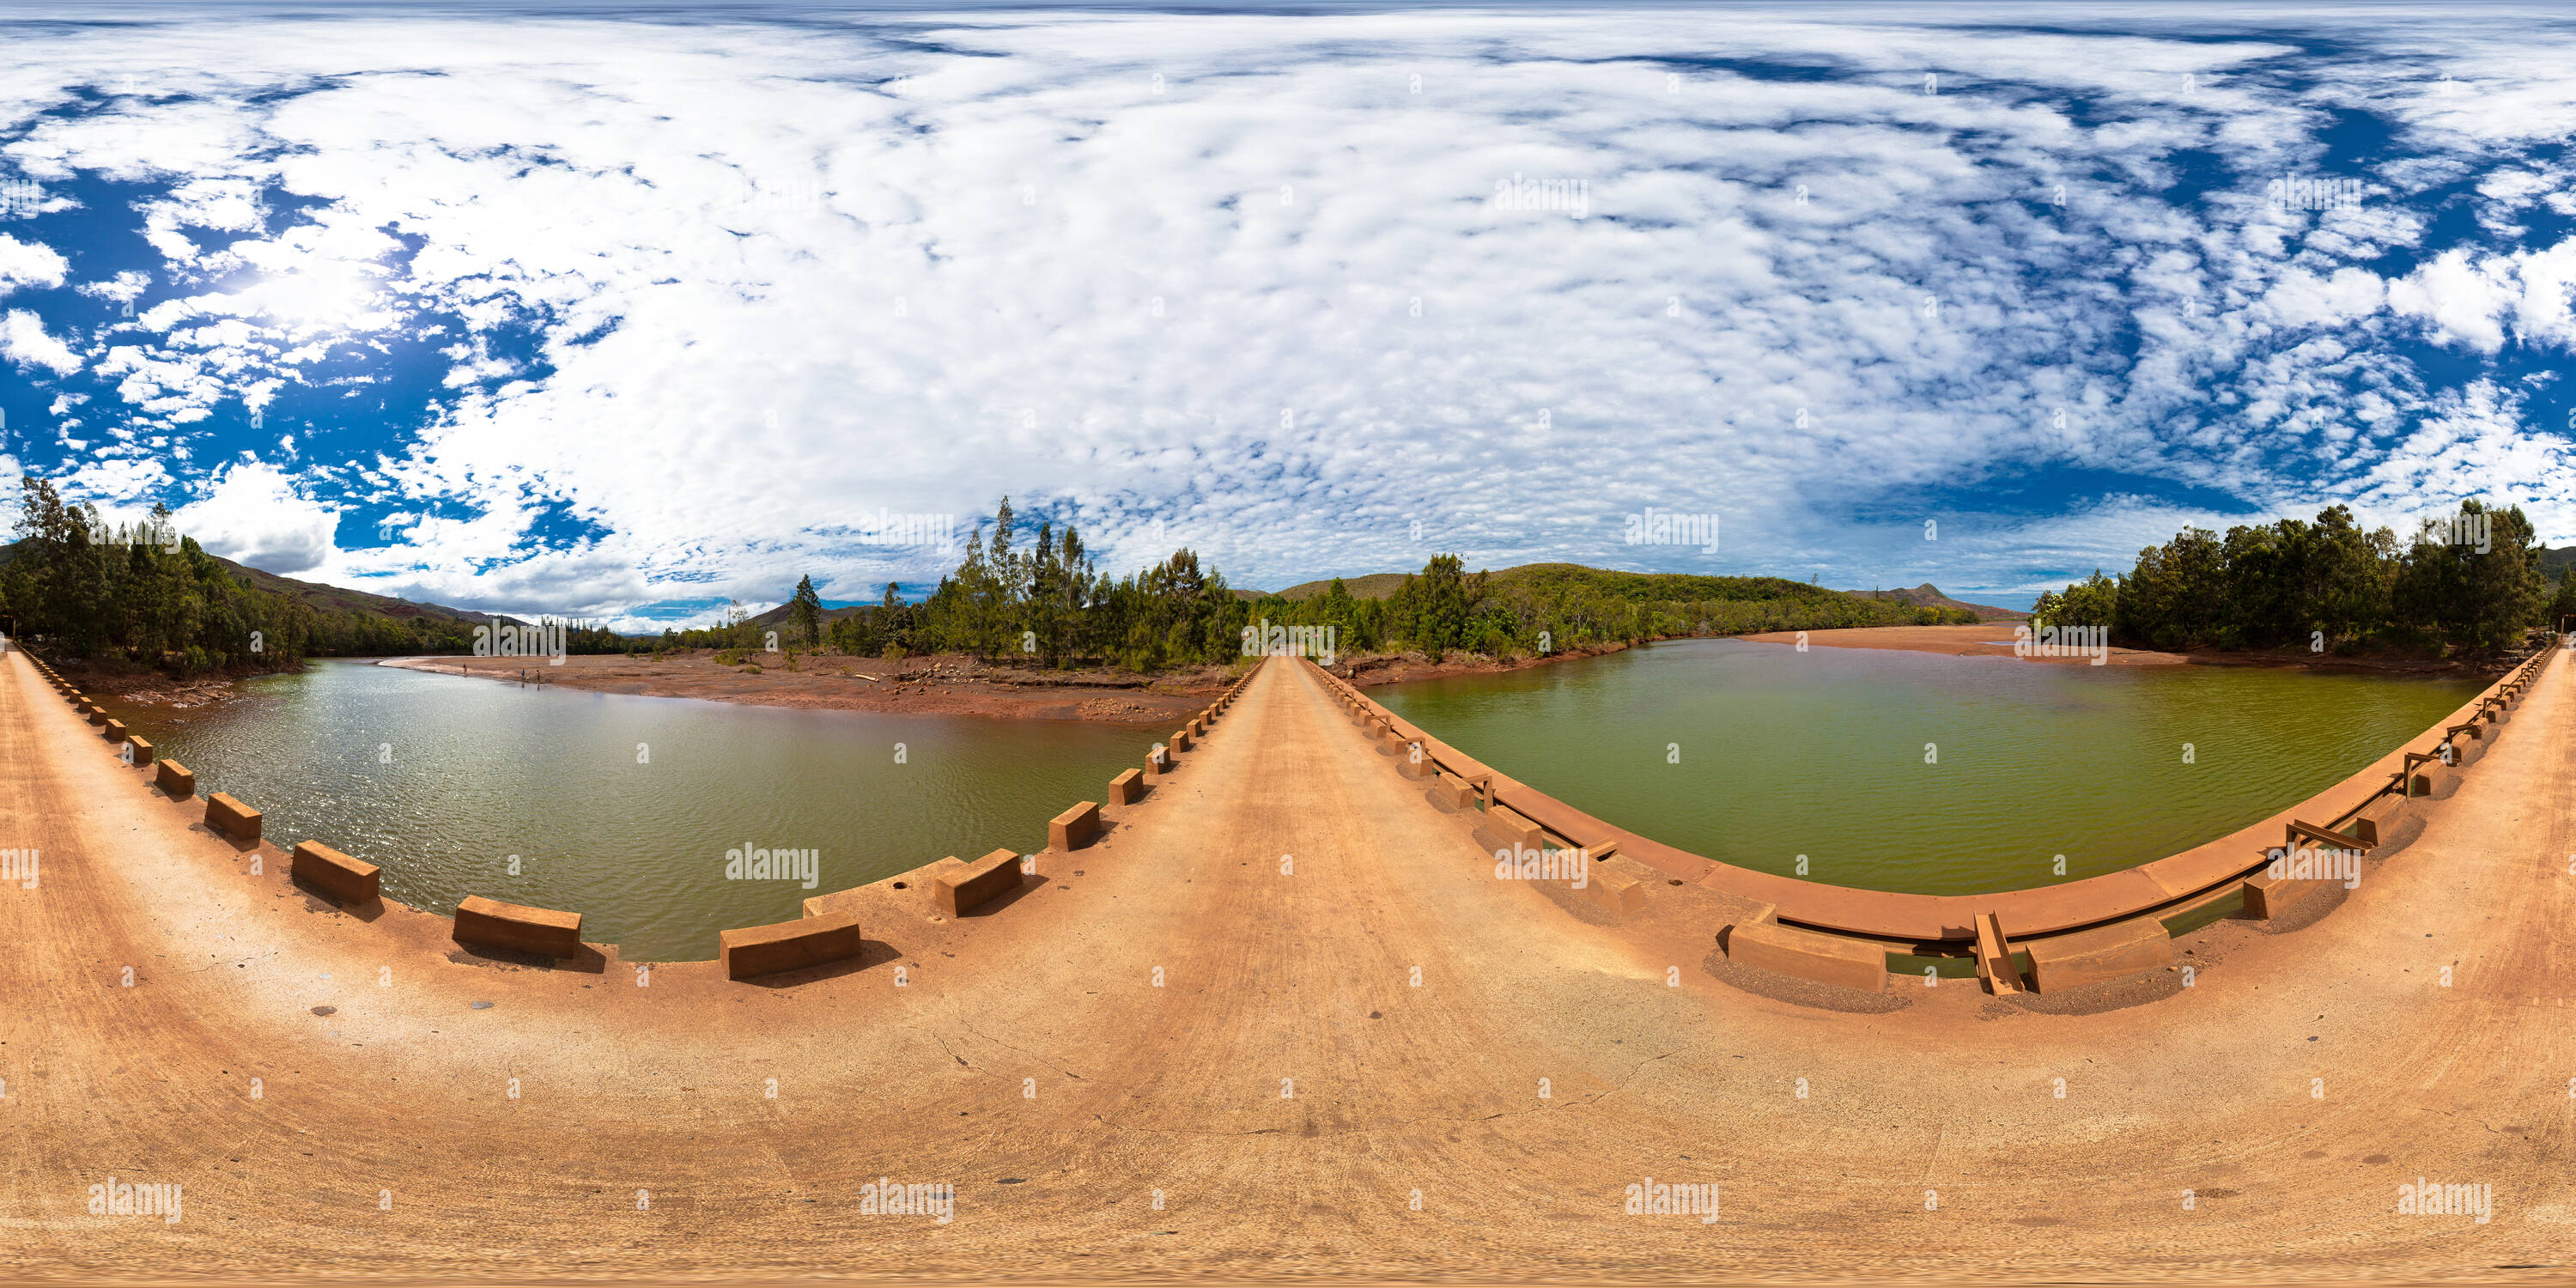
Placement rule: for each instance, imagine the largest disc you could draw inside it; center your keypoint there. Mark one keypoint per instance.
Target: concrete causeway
(1281, 1018)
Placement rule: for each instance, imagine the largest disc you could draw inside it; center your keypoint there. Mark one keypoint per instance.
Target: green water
(442, 779)
(1756, 754)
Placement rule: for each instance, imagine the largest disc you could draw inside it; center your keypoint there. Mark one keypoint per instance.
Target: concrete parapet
(2116, 951)
(1828, 959)
(333, 873)
(1074, 828)
(962, 889)
(176, 780)
(490, 923)
(1126, 787)
(1180, 740)
(228, 817)
(142, 751)
(789, 945)
(1416, 762)
(97, 715)
(113, 731)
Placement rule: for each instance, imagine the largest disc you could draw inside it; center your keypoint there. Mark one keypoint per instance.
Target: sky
(620, 316)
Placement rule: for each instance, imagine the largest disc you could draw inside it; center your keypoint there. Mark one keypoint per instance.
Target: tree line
(2472, 581)
(1044, 602)
(143, 594)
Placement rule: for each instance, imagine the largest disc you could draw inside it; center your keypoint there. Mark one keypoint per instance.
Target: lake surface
(622, 808)
(1757, 754)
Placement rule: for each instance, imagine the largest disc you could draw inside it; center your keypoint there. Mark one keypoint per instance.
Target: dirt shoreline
(945, 684)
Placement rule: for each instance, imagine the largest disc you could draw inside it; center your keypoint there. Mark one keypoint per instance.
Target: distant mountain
(340, 599)
(2555, 564)
(778, 616)
(1928, 595)
(1375, 585)
(330, 599)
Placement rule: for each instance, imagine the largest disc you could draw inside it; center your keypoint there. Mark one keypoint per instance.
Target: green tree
(805, 608)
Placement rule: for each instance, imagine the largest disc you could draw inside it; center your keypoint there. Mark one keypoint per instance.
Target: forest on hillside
(144, 595)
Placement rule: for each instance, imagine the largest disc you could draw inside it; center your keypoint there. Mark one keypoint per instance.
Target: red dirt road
(1276, 1105)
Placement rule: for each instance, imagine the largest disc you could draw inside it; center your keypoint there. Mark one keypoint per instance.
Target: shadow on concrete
(1028, 885)
(590, 961)
(871, 954)
(317, 899)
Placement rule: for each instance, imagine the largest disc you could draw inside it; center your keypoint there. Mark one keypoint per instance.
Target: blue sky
(550, 310)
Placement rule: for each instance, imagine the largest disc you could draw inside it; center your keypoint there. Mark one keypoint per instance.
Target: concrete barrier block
(962, 889)
(1180, 740)
(1805, 954)
(175, 779)
(1452, 791)
(2116, 951)
(113, 731)
(98, 715)
(1617, 893)
(1074, 828)
(228, 817)
(490, 923)
(142, 751)
(335, 874)
(1421, 766)
(789, 945)
(1159, 763)
(1505, 829)
(1126, 787)
(2267, 897)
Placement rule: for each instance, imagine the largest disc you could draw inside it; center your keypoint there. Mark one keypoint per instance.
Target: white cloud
(24, 341)
(28, 264)
(255, 514)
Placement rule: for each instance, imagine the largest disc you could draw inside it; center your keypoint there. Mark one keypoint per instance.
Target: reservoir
(622, 808)
(1887, 770)
(1917, 772)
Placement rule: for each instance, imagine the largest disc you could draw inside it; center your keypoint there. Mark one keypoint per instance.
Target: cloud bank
(535, 314)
